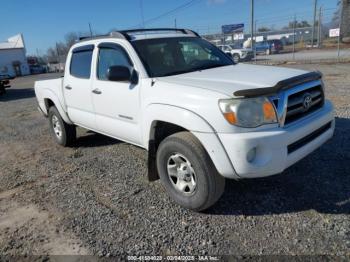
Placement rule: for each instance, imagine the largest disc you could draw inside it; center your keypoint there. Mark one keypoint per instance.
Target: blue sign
(234, 28)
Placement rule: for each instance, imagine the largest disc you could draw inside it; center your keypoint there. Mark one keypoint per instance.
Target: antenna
(142, 16)
(90, 29)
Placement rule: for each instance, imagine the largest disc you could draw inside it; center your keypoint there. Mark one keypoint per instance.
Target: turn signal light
(269, 111)
(231, 117)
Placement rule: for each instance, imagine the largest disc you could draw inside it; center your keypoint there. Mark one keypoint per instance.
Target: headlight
(248, 112)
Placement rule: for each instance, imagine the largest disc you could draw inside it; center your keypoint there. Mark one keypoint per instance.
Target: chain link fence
(327, 40)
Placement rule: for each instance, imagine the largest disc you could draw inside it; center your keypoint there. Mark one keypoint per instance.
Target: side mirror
(118, 73)
(122, 74)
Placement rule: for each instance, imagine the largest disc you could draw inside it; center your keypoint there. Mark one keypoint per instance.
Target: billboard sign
(334, 32)
(233, 28)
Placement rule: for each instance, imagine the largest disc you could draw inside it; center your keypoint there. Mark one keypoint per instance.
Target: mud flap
(152, 163)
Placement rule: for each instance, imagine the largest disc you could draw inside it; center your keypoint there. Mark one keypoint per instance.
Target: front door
(77, 87)
(17, 68)
(116, 103)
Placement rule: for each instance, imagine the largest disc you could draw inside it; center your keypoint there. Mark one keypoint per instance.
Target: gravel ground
(94, 198)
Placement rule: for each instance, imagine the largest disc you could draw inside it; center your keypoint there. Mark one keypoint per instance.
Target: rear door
(117, 104)
(77, 87)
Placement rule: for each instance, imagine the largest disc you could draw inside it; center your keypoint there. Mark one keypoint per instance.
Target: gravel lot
(94, 198)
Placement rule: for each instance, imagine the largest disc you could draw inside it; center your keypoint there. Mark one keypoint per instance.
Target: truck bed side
(50, 91)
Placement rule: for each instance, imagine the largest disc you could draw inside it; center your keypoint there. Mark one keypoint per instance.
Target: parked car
(37, 69)
(4, 83)
(269, 47)
(237, 54)
(201, 117)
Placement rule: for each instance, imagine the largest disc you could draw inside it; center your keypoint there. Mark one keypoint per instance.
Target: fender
(194, 123)
(174, 115)
(49, 94)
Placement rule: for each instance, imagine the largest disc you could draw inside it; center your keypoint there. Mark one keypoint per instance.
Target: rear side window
(81, 62)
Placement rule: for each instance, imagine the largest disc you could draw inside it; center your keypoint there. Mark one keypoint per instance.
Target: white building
(13, 60)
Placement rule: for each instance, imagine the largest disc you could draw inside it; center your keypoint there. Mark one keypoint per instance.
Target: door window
(81, 64)
(108, 57)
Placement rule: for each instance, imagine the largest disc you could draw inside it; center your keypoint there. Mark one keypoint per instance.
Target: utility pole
(313, 25)
(142, 16)
(340, 25)
(319, 38)
(175, 23)
(58, 54)
(90, 30)
(294, 26)
(252, 22)
(255, 31)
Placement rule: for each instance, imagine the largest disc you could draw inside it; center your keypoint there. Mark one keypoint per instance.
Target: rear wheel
(187, 172)
(63, 133)
(236, 58)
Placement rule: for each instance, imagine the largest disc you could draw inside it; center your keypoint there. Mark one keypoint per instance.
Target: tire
(2, 89)
(184, 148)
(63, 133)
(236, 58)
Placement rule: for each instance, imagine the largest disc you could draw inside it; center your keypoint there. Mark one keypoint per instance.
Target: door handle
(68, 87)
(97, 91)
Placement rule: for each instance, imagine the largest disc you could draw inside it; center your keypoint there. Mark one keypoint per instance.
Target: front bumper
(275, 149)
(247, 56)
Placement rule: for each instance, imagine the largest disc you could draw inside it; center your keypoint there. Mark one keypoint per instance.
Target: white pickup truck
(201, 117)
(237, 54)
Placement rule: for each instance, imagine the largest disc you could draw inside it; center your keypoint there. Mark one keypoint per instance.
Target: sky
(43, 22)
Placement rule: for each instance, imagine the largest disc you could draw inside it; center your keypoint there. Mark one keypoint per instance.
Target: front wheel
(236, 58)
(187, 172)
(2, 89)
(63, 133)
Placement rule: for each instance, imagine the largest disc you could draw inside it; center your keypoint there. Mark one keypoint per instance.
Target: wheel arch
(165, 120)
(50, 99)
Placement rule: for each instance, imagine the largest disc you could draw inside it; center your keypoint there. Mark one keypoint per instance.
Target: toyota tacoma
(201, 117)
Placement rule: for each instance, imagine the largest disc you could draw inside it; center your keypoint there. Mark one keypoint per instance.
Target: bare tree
(263, 29)
(52, 56)
(71, 38)
(336, 16)
(301, 24)
(58, 53)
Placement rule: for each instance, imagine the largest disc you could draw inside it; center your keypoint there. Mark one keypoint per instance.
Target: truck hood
(229, 79)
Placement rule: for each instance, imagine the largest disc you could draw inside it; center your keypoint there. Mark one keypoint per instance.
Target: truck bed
(49, 89)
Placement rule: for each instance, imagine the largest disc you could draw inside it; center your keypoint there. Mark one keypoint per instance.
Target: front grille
(307, 139)
(298, 107)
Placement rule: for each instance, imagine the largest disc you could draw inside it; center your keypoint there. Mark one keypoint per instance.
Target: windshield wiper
(208, 67)
(193, 69)
(177, 72)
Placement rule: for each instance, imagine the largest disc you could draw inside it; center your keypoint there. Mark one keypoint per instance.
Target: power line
(172, 11)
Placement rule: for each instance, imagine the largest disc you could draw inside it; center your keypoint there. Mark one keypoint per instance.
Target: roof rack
(113, 34)
(125, 34)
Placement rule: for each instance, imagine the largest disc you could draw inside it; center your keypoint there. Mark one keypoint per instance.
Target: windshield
(178, 55)
(236, 46)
